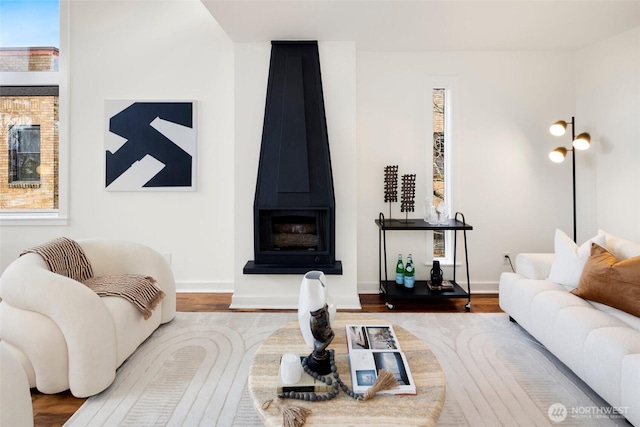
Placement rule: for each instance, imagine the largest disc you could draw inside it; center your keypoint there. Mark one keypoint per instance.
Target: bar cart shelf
(421, 291)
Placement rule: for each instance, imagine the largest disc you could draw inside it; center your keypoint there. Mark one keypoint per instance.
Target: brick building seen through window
(29, 137)
(24, 153)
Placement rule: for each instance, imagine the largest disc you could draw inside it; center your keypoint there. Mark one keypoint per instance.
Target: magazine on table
(376, 347)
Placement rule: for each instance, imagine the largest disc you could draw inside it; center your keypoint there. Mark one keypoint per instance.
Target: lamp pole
(573, 175)
(558, 155)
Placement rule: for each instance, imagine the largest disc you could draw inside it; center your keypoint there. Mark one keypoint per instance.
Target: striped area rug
(193, 372)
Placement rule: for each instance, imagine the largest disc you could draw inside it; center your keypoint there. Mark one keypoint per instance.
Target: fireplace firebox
(294, 205)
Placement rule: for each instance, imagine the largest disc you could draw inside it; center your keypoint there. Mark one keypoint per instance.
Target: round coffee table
(421, 409)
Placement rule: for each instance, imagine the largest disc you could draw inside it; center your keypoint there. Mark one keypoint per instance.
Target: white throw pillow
(569, 259)
(621, 248)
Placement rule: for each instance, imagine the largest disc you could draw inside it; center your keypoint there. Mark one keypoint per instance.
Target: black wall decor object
(294, 205)
(407, 200)
(390, 185)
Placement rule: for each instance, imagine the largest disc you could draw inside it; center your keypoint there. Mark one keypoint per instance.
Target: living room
(375, 104)
(540, 62)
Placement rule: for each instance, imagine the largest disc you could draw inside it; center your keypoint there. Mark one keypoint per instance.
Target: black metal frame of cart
(421, 291)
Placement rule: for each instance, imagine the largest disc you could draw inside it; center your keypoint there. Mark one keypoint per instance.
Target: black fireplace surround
(294, 205)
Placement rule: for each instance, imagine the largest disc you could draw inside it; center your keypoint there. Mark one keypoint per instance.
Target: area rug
(193, 372)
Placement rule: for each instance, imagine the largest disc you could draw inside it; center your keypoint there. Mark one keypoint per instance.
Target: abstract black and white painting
(150, 146)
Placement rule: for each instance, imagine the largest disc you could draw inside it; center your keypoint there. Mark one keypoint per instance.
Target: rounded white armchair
(16, 409)
(66, 336)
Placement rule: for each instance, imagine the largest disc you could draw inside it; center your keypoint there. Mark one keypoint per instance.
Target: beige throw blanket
(65, 257)
(141, 291)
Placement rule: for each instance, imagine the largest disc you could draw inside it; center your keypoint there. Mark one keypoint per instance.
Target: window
(29, 147)
(32, 119)
(24, 154)
(439, 166)
(441, 142)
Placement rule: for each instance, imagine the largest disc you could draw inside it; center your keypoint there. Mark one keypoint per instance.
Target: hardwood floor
(53, 410)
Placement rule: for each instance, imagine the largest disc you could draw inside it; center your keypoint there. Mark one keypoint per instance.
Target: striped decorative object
(140, 290)
(65, 257)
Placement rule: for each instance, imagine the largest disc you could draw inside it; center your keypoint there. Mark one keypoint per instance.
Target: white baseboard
(276, 302)
(205, 287)
(280, 303)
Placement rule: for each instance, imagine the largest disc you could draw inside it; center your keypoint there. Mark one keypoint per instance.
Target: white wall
(608, 106)
(338, 65)
(376, 107)
(504, 184)
(149, 51)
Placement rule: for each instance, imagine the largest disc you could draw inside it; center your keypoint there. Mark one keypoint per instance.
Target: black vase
(436, 274)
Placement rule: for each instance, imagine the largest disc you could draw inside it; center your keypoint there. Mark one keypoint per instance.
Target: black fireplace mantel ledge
(252, 268)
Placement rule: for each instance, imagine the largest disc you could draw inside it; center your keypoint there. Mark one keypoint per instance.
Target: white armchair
(16, 409)
(69, 337)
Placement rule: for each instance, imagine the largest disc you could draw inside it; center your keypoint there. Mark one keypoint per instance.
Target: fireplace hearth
(294, 205)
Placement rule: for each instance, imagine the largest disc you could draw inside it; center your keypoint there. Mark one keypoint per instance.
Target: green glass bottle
(409, 273)
(399, 271)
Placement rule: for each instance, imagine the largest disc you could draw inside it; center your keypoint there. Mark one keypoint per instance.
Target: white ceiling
(400, 25)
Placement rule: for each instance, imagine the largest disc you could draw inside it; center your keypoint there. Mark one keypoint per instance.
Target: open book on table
(376, 347)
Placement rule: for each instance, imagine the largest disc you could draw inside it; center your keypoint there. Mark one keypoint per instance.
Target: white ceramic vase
(313, 296)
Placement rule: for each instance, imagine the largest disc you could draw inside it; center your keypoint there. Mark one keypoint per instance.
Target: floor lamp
(581, 142)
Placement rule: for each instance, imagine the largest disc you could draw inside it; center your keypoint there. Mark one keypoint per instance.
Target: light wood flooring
(55, 409)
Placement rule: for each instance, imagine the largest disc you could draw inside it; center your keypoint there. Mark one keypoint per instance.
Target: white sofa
(599, 343)
(67, 337)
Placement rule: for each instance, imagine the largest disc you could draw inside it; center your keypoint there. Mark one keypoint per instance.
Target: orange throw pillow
(609, 281)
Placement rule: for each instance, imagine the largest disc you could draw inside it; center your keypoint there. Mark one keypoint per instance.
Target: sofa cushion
(630, 388)
(620, 248)
(571, 328)
(517, 297)
(544, 308)
(570, 259)
(606, 349)
(629, 319)
(609, 281)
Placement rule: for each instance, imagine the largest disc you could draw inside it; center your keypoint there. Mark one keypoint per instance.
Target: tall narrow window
(442, 143)
(439, 168)
(32, 72)
(24, 154)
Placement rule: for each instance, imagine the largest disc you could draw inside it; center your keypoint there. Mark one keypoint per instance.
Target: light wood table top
(421, 409)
